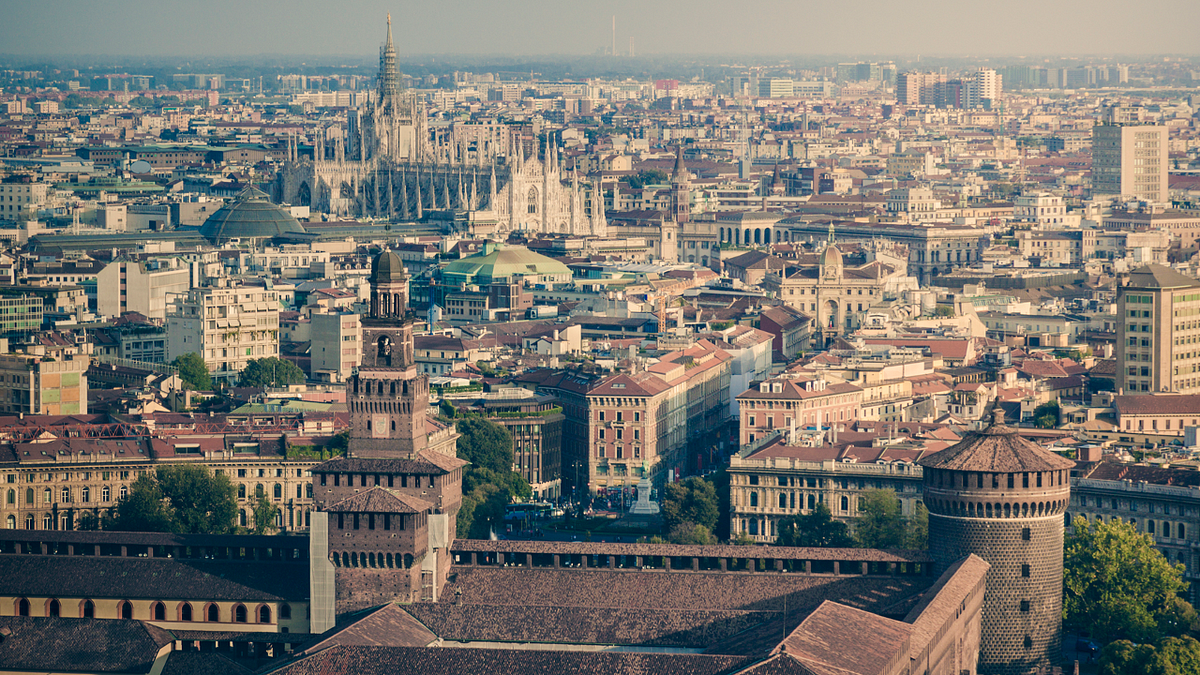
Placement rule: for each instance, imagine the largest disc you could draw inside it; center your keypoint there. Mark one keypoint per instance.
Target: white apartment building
(335, 346)
(1044, 210)
(227, 325)
(144, 286)
(21, 200)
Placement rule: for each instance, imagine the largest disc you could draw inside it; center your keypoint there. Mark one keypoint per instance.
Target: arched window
(123, 492)
(845, 503)
(533, 200)
(185, 611)
(160, 612)
(278, 491)
(12, 497)
(53, 608)
(85, 494)
(48, 496)
(65, 496)
(22, 607)
(126, 610)
(241, 490)
(259, 490)
(214, 614)
(264, 614)
(753, 499)
(10, 522)
(89, 610)
(29, 521)
(1182, 531)
(285, 611)
(28, 496)
(242, 517)
(239, 614)
(47, 522)
(106, 494)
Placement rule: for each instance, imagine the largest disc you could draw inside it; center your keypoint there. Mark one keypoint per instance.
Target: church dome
(250, 216)
(387, 267)
(499, 262)
(831, 257)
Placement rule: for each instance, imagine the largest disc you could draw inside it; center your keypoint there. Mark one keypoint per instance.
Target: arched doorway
(829, 315)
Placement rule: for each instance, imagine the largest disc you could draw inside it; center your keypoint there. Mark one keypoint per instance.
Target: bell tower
(387, 397)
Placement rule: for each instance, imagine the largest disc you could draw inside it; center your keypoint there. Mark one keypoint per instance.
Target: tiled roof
(353, 465)
(386, 625)
(942, 601)
(1157, 276)
(36, 644)
(381, 500)
(998, 448)
(829, 640)
(679, 550)
(1160, 404)
(202, 663)
(440, 661)
(122, 577)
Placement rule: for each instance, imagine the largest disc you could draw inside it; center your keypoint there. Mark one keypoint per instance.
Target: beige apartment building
(227, 325)
(37, 385)
(1130, 160)
(1158, 344)
(144, 286)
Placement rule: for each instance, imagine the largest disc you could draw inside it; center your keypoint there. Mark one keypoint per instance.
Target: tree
(485, 444)
(193, 371)
(817, 528)
(1116, 585)
(1045, 416)
(691, 533)
(916, 530)
(881, 524)
(264, 515)
(270, 372)
(181, 498)
(143, 509)
(1172, 656)
(691, 501)
(339, 443)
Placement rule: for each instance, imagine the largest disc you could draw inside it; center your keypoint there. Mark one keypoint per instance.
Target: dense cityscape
(617, 363)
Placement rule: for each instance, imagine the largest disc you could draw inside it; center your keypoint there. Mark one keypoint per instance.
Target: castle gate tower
(1004, 498)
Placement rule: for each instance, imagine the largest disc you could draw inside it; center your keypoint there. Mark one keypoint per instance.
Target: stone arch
(53, 607)
(184, 611)
(304, 194)
(21, 607)
(212, 613)
(758, 235)
(829, 310)
(87, 609)
(532, 204)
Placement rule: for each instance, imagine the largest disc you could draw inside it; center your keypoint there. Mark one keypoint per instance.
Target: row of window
(158, 610)
(66, 495)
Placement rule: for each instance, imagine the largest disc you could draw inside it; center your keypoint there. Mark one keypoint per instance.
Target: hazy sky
(356, 27)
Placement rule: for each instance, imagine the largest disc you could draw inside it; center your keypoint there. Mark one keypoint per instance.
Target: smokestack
(614, 35)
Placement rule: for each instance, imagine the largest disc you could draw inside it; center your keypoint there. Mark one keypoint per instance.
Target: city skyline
(307, 28)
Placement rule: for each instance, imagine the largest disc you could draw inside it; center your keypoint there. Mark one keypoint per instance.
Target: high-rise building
(913, 88)
(1129, 159)
(227, 325)
(983, 89)
(1003, 498)
(1158, 323)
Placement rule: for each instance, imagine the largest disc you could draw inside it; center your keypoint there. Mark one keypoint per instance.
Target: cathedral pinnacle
(389, 79)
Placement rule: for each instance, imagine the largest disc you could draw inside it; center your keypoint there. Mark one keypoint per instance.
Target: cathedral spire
(389, 79)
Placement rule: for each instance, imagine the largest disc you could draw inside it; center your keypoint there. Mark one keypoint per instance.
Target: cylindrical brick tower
(1003, 498)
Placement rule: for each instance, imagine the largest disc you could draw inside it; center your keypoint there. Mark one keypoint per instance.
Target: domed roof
(500, 262)
(250, 216)
(831, 256)
(997, 449)
(387, 267)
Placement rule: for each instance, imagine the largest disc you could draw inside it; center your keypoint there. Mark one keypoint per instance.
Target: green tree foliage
(687, 532)
(692, 501)
(817, 528)
(485, 444)
(648, 177)
(181, 498)
(916, 530)
(489, 484)
(193, 371)
(880, 523)
(264, 515)
(339, 443)
(1045, 416)
(270, 372)
(1116, 585)
(1172, 656)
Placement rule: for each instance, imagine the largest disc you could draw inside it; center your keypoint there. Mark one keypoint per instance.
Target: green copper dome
(250, 216)
(498, 262)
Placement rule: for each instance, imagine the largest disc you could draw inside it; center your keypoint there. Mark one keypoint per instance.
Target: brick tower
(384, 515)
(1003, 498)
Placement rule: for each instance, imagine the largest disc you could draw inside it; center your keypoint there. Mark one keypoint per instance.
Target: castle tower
(1003, 498)
(384, 515)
